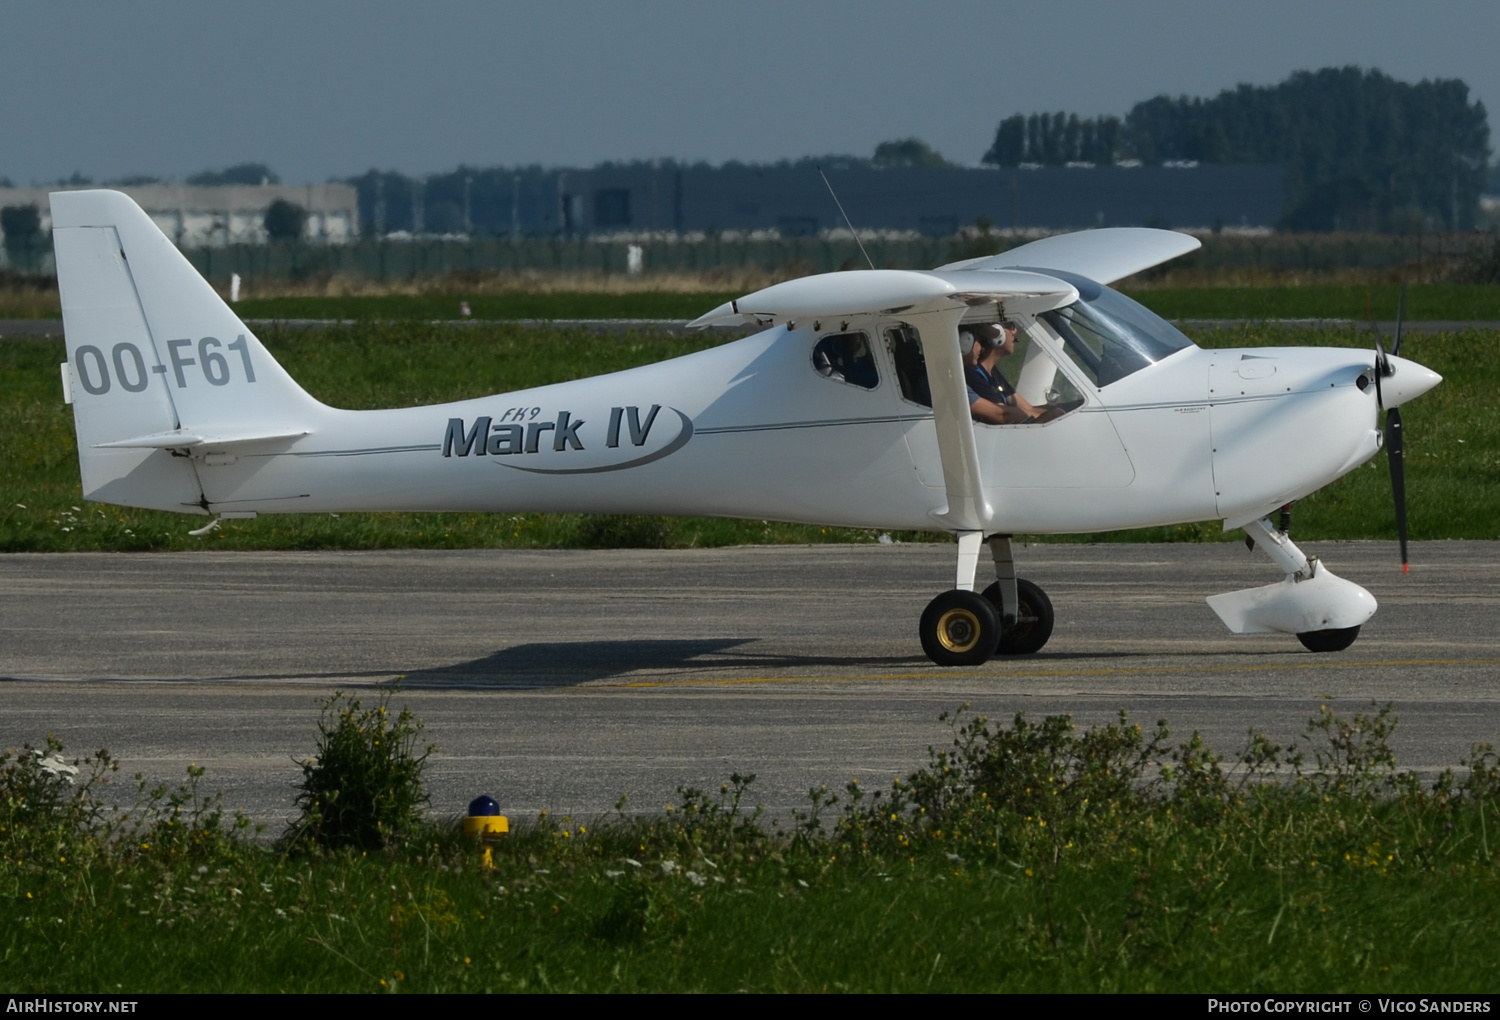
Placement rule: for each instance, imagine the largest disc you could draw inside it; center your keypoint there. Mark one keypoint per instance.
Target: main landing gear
(1011, 617)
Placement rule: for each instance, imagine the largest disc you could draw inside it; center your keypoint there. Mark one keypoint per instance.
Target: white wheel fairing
(1324, 601)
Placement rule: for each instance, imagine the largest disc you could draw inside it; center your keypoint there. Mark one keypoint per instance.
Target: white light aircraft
(850, 408)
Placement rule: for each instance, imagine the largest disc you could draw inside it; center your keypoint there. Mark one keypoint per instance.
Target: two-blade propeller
(1394, 450)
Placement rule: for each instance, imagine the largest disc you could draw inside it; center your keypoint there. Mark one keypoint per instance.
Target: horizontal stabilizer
(183, 439)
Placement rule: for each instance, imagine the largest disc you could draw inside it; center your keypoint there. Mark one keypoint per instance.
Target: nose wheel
(960, 628)
(1335, 640)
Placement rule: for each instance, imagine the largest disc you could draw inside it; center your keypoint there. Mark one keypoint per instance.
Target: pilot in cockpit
(992, 398)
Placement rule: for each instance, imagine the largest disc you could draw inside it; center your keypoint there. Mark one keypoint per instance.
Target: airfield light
(485, 822)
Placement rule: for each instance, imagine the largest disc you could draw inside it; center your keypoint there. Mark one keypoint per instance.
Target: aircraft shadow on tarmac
(573, 663)
(542, 665)
(570, 663)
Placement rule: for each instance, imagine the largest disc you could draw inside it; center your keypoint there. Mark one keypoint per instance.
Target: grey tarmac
(564, 679)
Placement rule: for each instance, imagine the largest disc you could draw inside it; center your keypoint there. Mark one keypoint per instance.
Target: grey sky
(330, 89)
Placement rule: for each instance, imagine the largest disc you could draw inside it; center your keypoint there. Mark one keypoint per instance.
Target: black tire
(959, 628)
(1033, 626)
(1328, 640)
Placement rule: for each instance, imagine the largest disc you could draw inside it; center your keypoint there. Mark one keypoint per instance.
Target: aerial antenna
(846, 217)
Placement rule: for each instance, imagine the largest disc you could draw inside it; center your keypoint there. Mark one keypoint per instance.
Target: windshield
(1108, 335)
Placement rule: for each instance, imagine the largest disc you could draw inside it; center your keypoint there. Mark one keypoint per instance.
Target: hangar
(199, 217)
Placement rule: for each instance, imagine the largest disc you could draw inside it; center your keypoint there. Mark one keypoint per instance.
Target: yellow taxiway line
(1111, 671)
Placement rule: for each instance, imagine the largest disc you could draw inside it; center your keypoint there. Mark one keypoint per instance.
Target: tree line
(1362, 151)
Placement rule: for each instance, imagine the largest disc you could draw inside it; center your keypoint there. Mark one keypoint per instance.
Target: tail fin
(158, 365)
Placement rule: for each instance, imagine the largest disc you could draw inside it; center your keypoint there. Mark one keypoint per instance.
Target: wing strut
(967, 510)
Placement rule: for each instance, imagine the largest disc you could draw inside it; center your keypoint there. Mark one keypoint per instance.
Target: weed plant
(1026, 856)
(362, 790)
(1452, 439)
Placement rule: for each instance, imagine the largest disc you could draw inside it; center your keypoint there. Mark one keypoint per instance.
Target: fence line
(392, 260)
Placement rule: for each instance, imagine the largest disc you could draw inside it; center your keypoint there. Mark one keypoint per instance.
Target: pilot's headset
(987, 337)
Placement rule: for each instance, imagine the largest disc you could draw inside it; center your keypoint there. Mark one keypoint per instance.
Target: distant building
(197, 217)
(793, 200)
(790, 199)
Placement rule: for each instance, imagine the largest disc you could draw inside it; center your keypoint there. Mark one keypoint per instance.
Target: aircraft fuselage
(737, 429)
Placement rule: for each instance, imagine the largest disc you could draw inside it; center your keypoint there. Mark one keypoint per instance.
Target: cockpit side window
(1038, 379)
(846, 357)
(911, 367)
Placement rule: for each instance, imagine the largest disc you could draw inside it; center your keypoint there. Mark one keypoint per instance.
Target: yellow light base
(483, 826)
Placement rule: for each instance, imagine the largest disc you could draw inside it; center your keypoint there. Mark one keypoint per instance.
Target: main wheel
(959, 628)
(1033, 624)
(1328, 640)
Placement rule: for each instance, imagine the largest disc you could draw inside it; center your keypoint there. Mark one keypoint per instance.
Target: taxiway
(562, 680)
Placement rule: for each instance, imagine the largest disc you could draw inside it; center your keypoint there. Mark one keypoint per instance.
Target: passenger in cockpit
(846, 357)
(992, 398)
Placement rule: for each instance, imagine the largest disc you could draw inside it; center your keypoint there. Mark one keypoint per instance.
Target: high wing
(1104, 255)
(889, 291)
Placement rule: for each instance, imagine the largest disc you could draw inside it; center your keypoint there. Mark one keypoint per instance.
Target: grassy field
(688, 298)
(640, 305)
(1313, 301)
(1453, 447)
(1429, 301)
(1026, 857)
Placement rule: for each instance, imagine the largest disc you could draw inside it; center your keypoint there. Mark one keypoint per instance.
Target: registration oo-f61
(851, 407)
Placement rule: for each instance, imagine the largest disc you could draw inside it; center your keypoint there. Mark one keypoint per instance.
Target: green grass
(1429, 301)
(1025, 857)
(1460, 302)
(641, 305)
(1453, 447)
